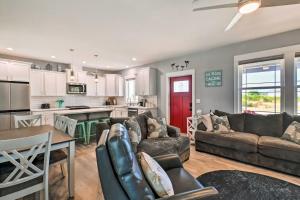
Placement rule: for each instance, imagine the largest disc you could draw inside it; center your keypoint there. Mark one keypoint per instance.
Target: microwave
(76, 88)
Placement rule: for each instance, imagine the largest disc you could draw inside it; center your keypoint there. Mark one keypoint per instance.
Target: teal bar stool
(89, 133)
(82, 131)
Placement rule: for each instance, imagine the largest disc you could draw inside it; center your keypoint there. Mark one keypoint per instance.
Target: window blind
(263, 59)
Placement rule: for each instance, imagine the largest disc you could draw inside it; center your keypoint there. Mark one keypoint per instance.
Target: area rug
(239, 185)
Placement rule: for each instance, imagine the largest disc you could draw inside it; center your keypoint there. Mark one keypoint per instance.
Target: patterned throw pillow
(206, 120)
(220, 124)
(292, 133)
(134, 130)
(156, 128)
(156, 176)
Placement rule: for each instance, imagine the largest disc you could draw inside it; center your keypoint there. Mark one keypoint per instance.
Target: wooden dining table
(60, 140)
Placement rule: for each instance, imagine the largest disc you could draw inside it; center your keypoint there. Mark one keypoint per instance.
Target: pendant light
(96, 74)
(72, 74)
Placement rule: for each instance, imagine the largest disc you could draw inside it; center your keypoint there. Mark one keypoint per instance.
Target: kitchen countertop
(82, 111)
(48, 109)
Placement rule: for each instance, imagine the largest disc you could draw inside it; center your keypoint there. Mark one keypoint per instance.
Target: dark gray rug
(238, 185)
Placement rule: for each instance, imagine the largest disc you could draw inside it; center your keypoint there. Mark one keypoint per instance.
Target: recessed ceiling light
(126, 66)
(133, 59)
(53, 57)
(83, 62)
(9, 49)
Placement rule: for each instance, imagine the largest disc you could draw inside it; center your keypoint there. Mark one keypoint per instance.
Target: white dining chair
(68, 126)
(22, 174)
(24, 121)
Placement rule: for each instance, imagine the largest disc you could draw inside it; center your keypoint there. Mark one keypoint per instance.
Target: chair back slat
(27, 120)
(71, 126)
(61, 123)
(21, 153)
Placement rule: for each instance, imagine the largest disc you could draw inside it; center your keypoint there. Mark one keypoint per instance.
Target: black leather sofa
(122, 178)
(256, 140)
(174, 144)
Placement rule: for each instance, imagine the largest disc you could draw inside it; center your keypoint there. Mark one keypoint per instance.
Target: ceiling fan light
(249, 6)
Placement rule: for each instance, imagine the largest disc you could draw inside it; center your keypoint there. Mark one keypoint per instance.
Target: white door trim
(178, 74)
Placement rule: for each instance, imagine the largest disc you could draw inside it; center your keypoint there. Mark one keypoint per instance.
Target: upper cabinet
(101, 87)
(95, 88)
(114, 85)
(146, 82)
(44, 83)
(14, 71)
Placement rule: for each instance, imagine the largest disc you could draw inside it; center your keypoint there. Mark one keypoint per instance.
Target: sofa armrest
(169, 161)
(100, 127)
(194, 194)
(173, 131)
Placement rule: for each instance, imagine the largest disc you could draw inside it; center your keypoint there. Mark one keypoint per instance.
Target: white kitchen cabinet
(101, 87)
(4, 75)
(61, 88)
(146, 82)
(50, 83)
(47, 117)
(114, 85)
(46, 83)
(91, 86)
(82, 77)
(119, 112)
(13, 71)
(19, 71)
(37, 83)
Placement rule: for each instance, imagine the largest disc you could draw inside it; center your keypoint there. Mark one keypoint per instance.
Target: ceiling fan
(244, 6)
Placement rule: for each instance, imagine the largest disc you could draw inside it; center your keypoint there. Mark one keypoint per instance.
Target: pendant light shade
(72, 75)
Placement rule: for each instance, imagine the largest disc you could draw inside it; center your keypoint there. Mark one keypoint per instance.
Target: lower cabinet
(119, 112)
(47, 117)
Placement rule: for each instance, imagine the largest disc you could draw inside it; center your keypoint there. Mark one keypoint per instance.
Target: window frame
(296, 86)
(281, 62)
(126, 91)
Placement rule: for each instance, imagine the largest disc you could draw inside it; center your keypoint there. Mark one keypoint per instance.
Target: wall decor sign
(213, 78)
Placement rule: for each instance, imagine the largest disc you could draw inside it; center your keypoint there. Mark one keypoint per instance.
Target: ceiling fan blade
(199, 5)
(236, 18)
(271, 3)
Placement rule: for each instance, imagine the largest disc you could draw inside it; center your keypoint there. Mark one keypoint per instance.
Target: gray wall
(219, 58)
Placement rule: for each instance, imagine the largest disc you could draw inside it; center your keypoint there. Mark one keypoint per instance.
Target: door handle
(191, 107)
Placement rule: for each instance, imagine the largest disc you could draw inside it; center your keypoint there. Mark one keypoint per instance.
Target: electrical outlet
(198, 101)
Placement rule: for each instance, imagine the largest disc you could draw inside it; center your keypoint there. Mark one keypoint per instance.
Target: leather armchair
(122, 178)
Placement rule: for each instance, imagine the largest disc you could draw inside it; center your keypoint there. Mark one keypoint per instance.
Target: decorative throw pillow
(134, 130)
(156, 128)
(206, 120)
(156, 176)
(220, 124)
(292, 133)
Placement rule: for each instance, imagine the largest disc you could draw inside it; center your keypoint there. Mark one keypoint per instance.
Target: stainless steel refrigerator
(14, 100)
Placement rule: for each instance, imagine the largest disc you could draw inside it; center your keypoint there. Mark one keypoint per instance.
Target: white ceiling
(117, 30)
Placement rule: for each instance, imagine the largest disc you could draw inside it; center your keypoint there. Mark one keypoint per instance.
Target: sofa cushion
(162, 146)
(278, 148)
(236, 121)
(182, 181)
(245, 142)
(264, 125)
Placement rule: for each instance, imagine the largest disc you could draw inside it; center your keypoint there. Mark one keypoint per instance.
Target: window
(181, 86)
(297, 61)
(130, 91)
(261, 87)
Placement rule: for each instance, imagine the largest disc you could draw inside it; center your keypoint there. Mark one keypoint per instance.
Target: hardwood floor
(87, 184)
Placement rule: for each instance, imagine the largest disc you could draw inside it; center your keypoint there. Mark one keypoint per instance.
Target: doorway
(181, 101)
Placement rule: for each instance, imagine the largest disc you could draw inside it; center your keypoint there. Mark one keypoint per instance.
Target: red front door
(180, 101)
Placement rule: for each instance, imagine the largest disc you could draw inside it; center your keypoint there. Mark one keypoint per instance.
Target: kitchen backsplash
(76, 100)
(69, 101)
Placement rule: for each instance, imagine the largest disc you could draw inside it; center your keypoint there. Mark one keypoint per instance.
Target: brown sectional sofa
(256, 140)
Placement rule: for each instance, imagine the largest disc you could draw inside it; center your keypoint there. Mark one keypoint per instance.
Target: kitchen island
(85, 114)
